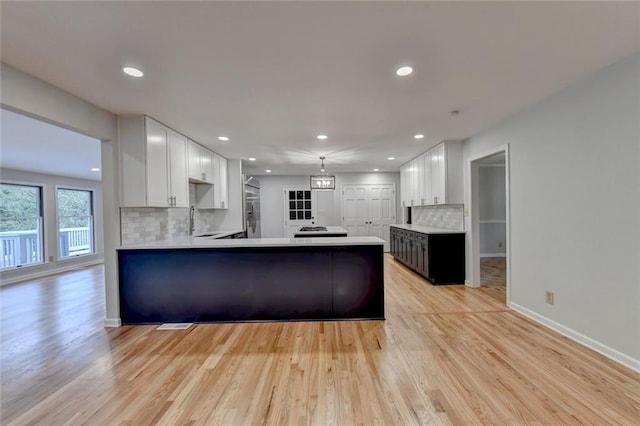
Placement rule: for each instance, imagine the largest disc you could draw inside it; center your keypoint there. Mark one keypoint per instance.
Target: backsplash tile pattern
(447, 216)
(147, 224)
(143, 225)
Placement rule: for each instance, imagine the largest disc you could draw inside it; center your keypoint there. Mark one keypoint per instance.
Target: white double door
(368, 210)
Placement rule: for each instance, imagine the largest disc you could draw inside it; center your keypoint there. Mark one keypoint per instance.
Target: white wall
(327, 204)
(575, 208)
(50, 248)
(26, 94)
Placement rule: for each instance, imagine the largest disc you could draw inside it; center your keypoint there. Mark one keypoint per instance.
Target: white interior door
(368, 210)
(355, 205)
(382, 211)
(299, 208)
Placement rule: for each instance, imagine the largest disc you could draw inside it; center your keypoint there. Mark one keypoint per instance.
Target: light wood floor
(493, 277)
(445, 355)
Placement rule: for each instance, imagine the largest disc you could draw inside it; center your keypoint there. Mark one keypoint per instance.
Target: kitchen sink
(211, 234)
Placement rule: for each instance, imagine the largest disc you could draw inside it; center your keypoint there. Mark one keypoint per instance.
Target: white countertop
(427, 229)
(212, 242)
(330, 230)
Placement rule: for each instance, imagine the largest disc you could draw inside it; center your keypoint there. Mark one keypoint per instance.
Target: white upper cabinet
(200, 164)
(154, 164)
(220, 182)
(434, 177)
(155, 189)
(178, 172)
(405, 198)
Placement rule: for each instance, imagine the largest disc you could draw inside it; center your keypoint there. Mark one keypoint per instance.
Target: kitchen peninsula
(193, 279)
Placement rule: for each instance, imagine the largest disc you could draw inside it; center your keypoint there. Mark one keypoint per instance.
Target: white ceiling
(272, 76)
(36, 146)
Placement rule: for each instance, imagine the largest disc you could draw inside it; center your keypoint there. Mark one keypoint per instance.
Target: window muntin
(75, 222)
(21, 236)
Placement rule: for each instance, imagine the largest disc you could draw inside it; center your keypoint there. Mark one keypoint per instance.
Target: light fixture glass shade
(323, 182)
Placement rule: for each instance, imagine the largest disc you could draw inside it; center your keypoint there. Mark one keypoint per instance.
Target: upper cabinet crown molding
(433, 178)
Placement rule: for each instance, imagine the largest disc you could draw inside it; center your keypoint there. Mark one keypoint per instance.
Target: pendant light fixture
(323, 181)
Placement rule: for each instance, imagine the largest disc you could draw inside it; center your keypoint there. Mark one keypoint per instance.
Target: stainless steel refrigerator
(252, 206)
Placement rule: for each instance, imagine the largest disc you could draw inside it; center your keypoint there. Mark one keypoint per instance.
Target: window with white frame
(21, 236)
(75, 222)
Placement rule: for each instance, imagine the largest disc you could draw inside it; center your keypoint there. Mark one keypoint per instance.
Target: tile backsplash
(448, 216)
(147, 224)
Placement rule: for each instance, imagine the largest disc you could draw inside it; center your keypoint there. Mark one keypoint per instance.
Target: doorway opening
(51, 215)
(490, 223)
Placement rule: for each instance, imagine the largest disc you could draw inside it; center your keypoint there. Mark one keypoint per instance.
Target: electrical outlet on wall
(499, 243)
(549, 297)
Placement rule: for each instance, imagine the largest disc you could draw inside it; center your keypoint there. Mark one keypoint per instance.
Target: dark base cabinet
(251, 284)
(438, 257)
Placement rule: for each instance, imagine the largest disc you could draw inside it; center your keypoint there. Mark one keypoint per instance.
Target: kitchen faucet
(192, 224)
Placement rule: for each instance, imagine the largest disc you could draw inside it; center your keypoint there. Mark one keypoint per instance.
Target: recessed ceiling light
(223, 138)
(133, 72)
(391, 158)
(252, 159)
(419, 136)
(404, 71)
(375, 170)
(322, 137)
(95, 169)
(268, 171)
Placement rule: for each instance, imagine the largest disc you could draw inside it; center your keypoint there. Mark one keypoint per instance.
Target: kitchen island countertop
(214, 242)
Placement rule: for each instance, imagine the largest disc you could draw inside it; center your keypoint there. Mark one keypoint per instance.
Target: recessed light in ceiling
(95, 169)
(268, 171)
(418, 136)
(391, 158)
(322, 137)
(133, 72)
(223, 138)
(252, 159)
(404, 71)
(375, 170)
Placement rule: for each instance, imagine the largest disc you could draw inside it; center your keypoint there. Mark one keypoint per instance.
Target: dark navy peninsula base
(251, 284)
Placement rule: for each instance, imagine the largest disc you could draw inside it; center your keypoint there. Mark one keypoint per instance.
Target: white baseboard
(605, 350)
(50, 271)
(112, 322)
(493, 254)
(470, 284)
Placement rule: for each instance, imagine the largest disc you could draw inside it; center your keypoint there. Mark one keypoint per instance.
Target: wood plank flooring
(445, 355)
(493, 277)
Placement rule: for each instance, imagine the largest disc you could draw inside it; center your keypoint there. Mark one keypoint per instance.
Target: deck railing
(19, 248)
